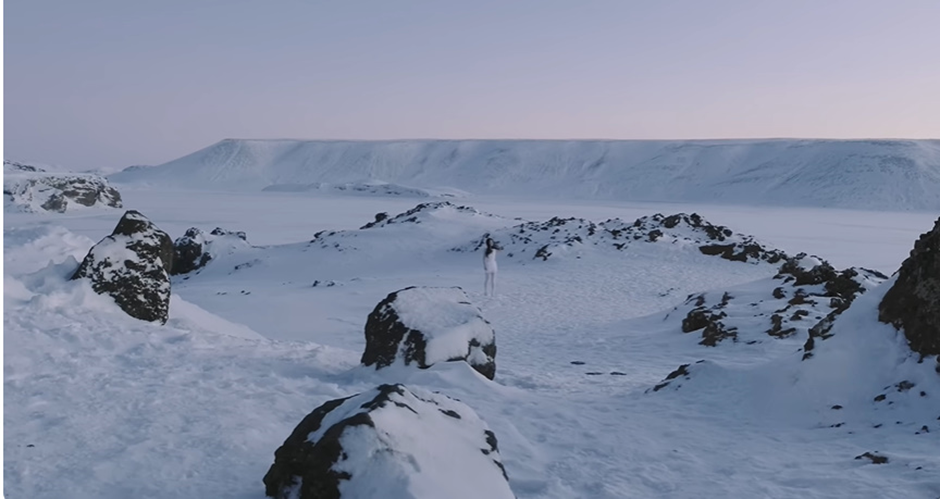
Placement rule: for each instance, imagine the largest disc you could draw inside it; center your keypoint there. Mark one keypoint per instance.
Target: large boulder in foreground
(913, 302)
(389, 441)
(132, 265)
(426, 325)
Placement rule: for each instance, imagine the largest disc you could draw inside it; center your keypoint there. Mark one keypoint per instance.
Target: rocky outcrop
(423, 326)
(392, 438)
(421, 213)
(29, 188)
(913, 302)
(804, 297)
(194, 249)
(132, 265)
(542, 240)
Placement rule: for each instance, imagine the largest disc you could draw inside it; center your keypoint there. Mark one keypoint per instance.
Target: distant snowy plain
(100, 405)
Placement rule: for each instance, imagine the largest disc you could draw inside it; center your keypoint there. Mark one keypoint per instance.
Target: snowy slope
(872, 174)
(101, 405)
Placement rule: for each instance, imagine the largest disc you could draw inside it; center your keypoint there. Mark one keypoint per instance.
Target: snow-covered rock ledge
(29, 188)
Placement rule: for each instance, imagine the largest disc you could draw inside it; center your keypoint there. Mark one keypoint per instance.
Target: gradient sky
(111, 83)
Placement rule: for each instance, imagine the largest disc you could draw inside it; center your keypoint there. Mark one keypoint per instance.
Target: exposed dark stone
(189, 252)
(139, 282)
(798, 315)
(779, 294)
(776, 327)
(715, 332)
(904, 386)
(875, 458)
(696, 319)
(913, 302)
(682, 370)
(379, 218)
(881, 397)
(543, 253)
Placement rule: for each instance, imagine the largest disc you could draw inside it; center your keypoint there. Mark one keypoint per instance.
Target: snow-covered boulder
(132, 265)
(913, 302)
(31, 189)
(194, 249)
(424, 326)
(390, 442)
(802, 300)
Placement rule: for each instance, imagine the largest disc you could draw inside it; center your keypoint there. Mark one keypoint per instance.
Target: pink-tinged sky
(110, 83)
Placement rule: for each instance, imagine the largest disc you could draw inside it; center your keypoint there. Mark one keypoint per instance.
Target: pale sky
(111, 83)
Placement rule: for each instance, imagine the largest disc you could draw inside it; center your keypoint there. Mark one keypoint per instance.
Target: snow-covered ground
(100, 405)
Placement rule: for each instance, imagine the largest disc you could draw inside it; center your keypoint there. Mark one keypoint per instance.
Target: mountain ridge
(891, 174)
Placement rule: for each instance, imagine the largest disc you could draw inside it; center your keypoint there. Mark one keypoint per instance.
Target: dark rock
(836, 407)
(776, 327)
(218, 231)
(913, 302)
(194, 250)
(881, 397)
(875, 458)
(696, 319)
(904, 386)
(379, 218)
(388, 438)
(682, 370)
(715, 332)
(189, 255)
(132, 266)
(424, 326)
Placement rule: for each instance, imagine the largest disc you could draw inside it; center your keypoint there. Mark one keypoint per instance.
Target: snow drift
(871, 174)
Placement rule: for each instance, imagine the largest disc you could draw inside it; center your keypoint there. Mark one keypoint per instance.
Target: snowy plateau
(651, 323)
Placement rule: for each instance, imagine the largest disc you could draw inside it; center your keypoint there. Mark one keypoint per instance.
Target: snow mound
(29, 188)
(425, 326)
(559, 236)
(432, 223)
(801, 301)
(394, 442)
(865, 174)
(132, 265)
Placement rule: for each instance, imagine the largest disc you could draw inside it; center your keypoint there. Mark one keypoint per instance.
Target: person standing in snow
(489, 267)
